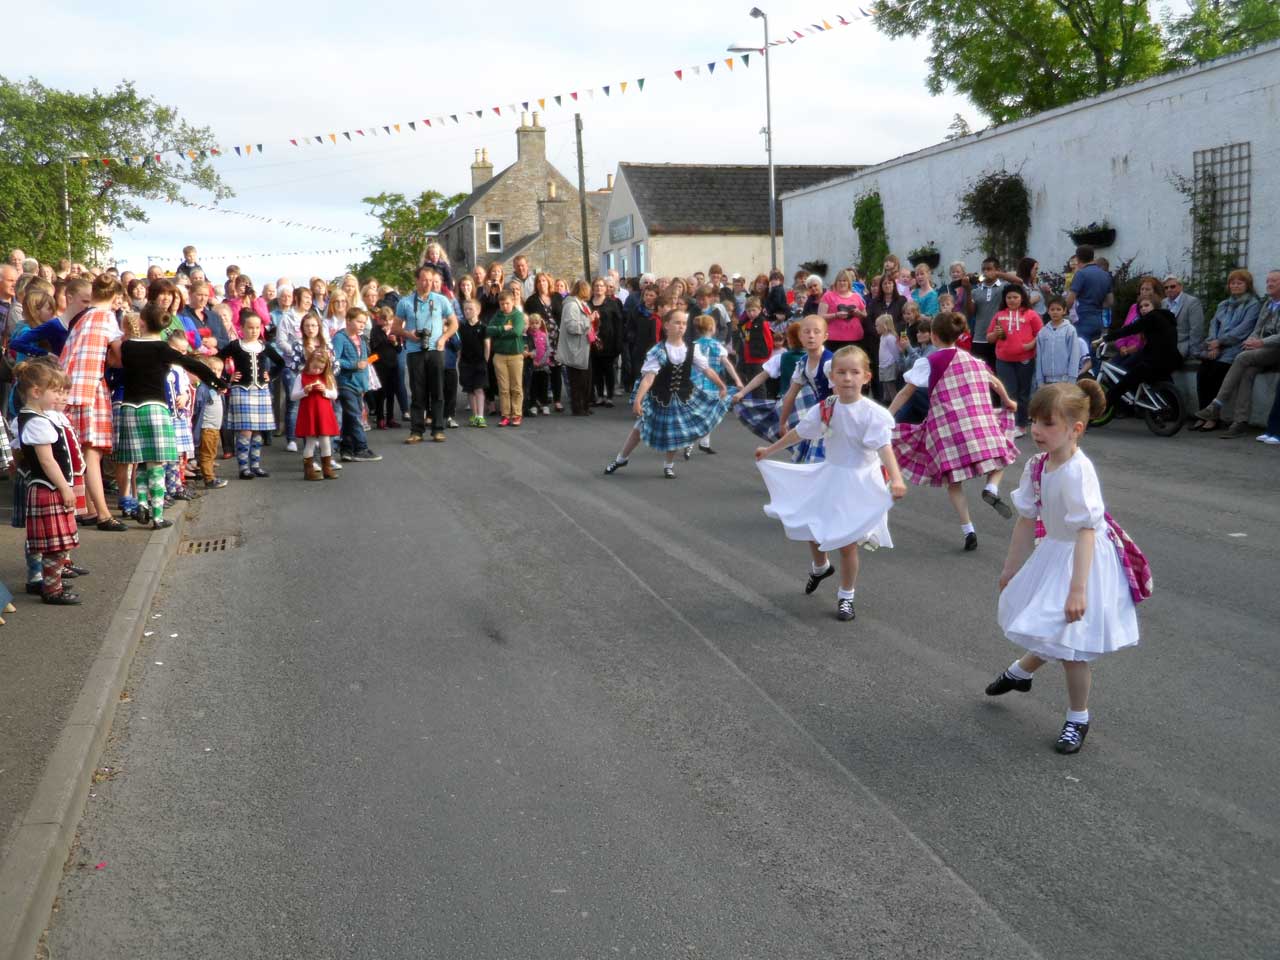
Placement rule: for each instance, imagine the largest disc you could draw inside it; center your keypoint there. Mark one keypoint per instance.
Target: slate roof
(716, 198)
(464, 208)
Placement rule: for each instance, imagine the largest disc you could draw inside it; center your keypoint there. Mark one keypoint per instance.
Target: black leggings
(602, 378)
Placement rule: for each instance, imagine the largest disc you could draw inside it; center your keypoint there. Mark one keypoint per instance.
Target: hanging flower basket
(1094, 235)
(931, 259)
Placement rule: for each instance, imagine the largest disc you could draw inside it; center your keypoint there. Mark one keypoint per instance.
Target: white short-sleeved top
(1071, 498)
(773, 366)
(38, 431)
(918, 375)
(857, 431)
(676, 355)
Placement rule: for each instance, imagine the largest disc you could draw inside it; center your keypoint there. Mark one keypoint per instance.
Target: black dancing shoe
(844, 609)
(669, 472)
(1071, 739)
(75, 568)
(970, 541)
(998, 504)
(688, 451)
(161, 524)
(811, 584)
(35, 587)
(1004, 683)
(706, 449)
(246, 474)
(63, 598)
(615, 464)
(258, 472)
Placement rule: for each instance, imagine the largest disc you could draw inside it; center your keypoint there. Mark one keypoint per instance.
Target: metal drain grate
(215, 545)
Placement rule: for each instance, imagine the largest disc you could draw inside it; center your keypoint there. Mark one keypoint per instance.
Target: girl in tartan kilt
(962, 436)
(181, 397)
(807, 387)
(144, 428)
(94, 337)
(250, 413)
(673, 410)
(50, 508)
(718, 360)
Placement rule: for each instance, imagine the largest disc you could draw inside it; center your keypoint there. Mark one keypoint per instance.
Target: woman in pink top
(844, 310)
(247, 299)
(1128, 346)
(1013, 330)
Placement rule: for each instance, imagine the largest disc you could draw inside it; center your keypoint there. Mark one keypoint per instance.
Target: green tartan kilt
(144, 434)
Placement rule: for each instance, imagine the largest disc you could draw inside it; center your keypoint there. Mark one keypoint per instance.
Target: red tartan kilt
(92, 423)
(51, 527)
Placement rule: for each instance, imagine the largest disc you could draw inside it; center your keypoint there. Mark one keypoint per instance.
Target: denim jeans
(353, 439)
(290, 405)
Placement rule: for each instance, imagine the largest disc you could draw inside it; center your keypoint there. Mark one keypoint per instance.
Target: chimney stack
(608, 182)
(551, 189)
(531, 140)
(481, 170)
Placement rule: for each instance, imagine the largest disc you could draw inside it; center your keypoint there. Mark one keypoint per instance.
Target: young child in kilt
(126, 473)
(144, 427)
(1070, 596)
(962, 436)
(179, 393)
(473, 360)
(50, 507)
(249, 412)
(807, 386)
(717, 360)
(207, 423)
(841, 502)
(673, 410)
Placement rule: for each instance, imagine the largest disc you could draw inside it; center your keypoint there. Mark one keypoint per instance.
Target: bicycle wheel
(1102, 419)
(1167, 420)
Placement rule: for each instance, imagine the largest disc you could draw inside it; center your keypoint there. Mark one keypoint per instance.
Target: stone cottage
(529, 208)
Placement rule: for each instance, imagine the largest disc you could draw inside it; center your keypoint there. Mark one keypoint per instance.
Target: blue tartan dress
(677, 411)
(761, 416)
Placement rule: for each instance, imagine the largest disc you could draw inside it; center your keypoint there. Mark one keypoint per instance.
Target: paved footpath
(480, 701)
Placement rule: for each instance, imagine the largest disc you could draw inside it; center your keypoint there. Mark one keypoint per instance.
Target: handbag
(1136, 568)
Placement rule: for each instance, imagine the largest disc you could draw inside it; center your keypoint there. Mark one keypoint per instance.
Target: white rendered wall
(1111, 158)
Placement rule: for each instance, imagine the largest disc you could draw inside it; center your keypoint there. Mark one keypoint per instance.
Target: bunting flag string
(244, 150)
(277, 221)
(162, 258)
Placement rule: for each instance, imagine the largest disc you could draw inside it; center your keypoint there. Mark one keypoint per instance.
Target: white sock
(1078, 716)
(620, 459)
(967, 528)
(704, 442)
(843, 594)
(1016, 671)
(992, 489)
(818, 570)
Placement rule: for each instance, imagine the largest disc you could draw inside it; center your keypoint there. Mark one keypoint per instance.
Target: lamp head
(757, 12)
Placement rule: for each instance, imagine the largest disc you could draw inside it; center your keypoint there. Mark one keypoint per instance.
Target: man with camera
(426, 321)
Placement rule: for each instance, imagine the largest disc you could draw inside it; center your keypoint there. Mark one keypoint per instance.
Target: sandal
(111, 525)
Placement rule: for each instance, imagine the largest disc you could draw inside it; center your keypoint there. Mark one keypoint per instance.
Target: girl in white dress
(841, 501)
(1067, 597)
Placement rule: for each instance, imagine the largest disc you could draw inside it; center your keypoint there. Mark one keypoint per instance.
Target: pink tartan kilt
(51, 527)
(92, 424)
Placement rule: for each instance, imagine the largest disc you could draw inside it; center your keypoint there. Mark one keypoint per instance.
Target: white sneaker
(451, 423)
(291, 446)
(546, 411)
(337, 464)
(1269, 440)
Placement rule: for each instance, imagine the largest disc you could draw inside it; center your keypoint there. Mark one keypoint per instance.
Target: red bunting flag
(679, 74)
(498, 111)
(574, 94)
(294, 142)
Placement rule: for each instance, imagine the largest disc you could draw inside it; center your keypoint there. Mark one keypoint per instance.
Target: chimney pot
(608, 181)
(524, 119)
(536, 121)
(484, 155)
(551, 189)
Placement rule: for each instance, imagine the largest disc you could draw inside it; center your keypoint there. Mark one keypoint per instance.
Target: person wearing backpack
(1071, 597)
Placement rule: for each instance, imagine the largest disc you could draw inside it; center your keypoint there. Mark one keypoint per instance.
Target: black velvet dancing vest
(674, 381)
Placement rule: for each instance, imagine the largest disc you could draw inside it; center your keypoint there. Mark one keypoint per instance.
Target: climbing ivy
(873, 242)
(999, 205)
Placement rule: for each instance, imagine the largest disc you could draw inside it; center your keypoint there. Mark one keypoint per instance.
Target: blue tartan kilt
(182, 437)
(761, 418)
(676, 425)
(249, 408)
(144, 434)
(19, 518)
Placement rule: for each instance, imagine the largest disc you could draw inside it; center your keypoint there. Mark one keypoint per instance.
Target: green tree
(41, 128)
(1213, 28)
(407, 226)
(1013, 58)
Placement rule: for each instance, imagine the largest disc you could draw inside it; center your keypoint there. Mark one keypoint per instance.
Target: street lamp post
(759, 14)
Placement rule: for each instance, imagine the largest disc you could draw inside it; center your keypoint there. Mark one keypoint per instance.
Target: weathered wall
(1112, 157)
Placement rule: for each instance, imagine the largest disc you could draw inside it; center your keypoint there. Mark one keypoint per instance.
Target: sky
(846, 96)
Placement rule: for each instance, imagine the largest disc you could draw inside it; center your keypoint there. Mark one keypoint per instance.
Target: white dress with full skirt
(843, 499)
(1032, 607)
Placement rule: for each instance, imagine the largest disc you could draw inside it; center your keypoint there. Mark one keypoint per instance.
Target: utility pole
(582, 202)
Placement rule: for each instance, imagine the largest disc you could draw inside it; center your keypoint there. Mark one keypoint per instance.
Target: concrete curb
(32, 870)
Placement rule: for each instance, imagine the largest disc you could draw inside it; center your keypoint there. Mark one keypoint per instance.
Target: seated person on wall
(1158, 357)
(1259, 352)
(1189, 313)
(1230, 327)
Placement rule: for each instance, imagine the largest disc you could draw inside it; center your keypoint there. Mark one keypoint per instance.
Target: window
(641, 261)
(608, 261)
(493, 235)
(622, 269)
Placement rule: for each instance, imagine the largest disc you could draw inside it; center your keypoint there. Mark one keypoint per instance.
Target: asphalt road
(480, 701)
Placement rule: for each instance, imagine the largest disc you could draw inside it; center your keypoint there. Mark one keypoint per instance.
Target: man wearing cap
(1190, 315)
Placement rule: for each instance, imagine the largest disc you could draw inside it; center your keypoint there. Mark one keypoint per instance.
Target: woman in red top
(1013, 330)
